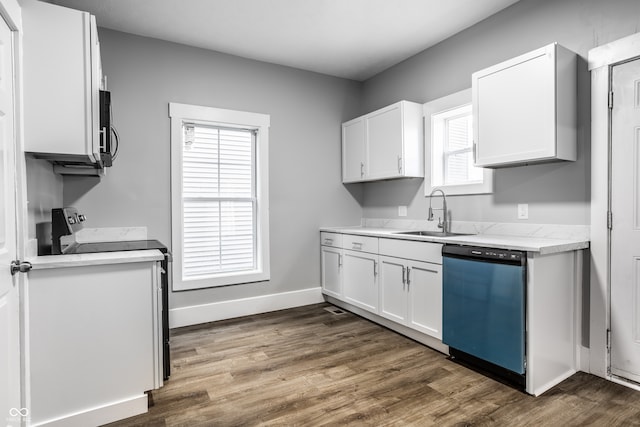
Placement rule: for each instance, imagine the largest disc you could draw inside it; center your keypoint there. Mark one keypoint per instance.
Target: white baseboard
(101, 415)
(185, 316)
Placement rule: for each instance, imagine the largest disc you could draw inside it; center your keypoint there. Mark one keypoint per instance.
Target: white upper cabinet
(384, 144)
(62, 73)
(354, 151)
(524, 109)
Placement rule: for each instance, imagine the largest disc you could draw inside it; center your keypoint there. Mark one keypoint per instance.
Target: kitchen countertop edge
(542, 246)
(98, 258)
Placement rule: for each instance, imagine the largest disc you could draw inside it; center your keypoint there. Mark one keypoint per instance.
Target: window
(219, 196)
(449, 147)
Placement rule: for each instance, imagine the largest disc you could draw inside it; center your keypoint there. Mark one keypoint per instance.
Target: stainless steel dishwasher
(484, 309)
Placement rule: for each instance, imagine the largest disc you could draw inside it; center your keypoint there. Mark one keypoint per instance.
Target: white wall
(557, 193)
(306, 110)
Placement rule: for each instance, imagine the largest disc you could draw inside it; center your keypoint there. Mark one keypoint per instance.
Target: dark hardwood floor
(309, 367)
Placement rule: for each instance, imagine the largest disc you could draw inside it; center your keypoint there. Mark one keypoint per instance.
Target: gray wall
(44, 192)
(305, 191)
(557, 193)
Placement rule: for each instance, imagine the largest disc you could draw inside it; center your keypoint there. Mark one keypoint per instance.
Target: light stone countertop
(539, 245)
(99, 258)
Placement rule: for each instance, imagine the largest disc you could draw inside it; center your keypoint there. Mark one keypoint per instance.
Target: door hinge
(18, 266)
(609, 220)
(610, 100)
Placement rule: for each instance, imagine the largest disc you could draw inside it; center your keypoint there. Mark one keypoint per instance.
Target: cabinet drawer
(331, 239)
(360, 243)
(408, 249)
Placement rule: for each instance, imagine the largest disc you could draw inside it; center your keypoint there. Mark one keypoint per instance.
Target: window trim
(438, 106)
(184, 113)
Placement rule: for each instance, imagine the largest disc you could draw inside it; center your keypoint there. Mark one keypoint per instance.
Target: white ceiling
(354, 39)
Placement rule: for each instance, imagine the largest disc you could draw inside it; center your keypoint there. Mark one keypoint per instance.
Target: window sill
(221, 280)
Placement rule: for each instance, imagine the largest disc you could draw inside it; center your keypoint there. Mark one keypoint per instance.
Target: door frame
(11, 12)
(601, 61)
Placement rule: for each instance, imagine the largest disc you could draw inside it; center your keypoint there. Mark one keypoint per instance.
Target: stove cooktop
(130, 245)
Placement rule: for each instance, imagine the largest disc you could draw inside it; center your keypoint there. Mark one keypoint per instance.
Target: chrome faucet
(442, 222)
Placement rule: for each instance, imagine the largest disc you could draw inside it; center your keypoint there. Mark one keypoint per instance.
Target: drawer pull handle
(328, 241)
(357, 246)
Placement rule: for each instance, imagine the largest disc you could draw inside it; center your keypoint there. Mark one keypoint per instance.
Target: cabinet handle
(339, 260)
(361, 169)
(399, 164)
(408, 276)
(357, 246)
(103, 139)
(375, 268)
(404, 277)
(328, 241)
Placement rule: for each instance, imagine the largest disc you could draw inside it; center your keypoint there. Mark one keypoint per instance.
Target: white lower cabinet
(425, 298)
(395, 279)
(360, 279)
(94, 341)
(393, 289)
(411, 294)
(331, 271)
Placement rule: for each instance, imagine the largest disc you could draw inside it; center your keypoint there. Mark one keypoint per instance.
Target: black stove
(65, 222)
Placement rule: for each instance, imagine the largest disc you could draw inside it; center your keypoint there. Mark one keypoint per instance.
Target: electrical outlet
(402, 211)
(523, 211)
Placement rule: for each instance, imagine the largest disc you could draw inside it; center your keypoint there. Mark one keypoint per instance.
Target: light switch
(402, 211)
(523, 211)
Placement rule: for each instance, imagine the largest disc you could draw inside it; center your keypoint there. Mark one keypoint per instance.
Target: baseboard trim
(109, 413)
(193, 315)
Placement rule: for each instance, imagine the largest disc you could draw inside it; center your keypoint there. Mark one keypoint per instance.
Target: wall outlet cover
(523, 211)
(402, 211)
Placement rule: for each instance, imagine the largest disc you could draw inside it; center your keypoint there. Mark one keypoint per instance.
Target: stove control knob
(71, 220)
(82, 218)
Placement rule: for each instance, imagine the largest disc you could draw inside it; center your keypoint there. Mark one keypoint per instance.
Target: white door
(10, 410)
(384, 143)
(425, 297)
(625, 233)
(331, 271)
(360, 280)
(353, 151)
(393, 289)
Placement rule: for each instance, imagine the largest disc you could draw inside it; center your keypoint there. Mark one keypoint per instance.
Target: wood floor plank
(309, 367)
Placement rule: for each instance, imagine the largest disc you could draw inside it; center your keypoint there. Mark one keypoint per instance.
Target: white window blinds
(457, 153)
(219, 200)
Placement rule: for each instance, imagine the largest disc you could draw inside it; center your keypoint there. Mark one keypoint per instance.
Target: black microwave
(108, 134)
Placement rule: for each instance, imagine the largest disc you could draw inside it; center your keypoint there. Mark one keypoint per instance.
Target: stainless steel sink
(431, 233)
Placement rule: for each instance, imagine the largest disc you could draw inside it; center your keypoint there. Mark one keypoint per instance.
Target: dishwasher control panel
(485, 254)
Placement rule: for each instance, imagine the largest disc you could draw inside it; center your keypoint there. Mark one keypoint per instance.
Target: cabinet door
(524, 109)
(425, 297)
(353, 151)
(393, 289)
(331, 271)
(61, 104)
(360, 280)
(384, 136)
